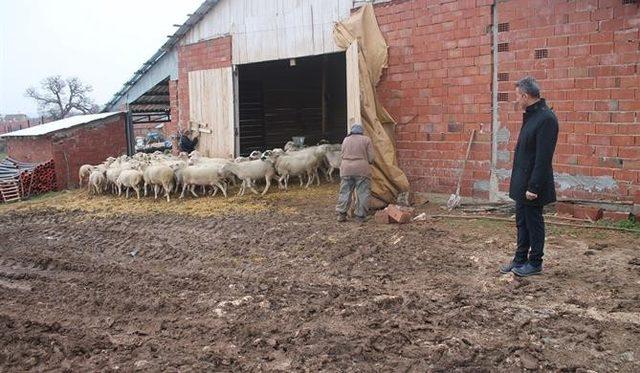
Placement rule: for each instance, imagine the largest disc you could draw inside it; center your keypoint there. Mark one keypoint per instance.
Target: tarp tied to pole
(388, 180)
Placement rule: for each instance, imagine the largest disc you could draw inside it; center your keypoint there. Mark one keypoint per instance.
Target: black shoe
(342, 218)
(362, 219)
(509, 267)
(528, 270)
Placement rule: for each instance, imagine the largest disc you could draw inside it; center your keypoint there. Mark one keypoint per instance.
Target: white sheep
(250, 171)
(204, 175)
(256, 154)
(83, 174)
(129, 179)
(97, 182)
(291, 146)
(334, 159)
(294, 164)
(318, 153)
(159, 175)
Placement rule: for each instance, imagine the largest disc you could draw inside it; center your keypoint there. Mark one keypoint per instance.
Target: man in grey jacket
(355, 173)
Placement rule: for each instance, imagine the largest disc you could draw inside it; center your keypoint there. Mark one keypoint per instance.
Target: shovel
(454, 199)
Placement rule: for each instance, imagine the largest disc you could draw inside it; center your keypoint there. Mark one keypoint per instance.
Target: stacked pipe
(33, 178)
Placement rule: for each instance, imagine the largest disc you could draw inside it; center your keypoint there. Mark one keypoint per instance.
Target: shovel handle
(464, 164)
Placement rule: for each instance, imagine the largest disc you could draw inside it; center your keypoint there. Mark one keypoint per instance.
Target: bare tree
(61, 98)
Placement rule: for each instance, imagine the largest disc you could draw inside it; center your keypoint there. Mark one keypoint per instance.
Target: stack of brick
(394, 214)
(590, 212)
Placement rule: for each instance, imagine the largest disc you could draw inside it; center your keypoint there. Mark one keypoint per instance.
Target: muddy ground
(103, 284)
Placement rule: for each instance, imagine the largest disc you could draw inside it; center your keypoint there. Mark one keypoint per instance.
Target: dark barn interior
(298, 97)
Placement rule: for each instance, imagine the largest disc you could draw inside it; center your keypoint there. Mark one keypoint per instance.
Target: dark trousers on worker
(361, 186)
(530, 225)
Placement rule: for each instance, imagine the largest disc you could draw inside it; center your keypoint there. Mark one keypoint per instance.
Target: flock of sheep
(177, 174)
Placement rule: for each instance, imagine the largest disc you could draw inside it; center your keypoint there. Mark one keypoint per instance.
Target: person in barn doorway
(188, 141)
(532, 185)
(355, 174)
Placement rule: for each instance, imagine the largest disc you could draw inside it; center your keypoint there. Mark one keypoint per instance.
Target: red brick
(565, 208)
(382, 217)
(599, 140)
(587, 212)
(622, 140)
(615, 215)
(399, 214)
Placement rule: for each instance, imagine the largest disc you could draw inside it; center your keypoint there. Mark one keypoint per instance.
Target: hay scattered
(289, 202)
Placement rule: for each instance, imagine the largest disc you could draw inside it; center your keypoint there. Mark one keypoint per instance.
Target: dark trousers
(361, 186)
(530, 225)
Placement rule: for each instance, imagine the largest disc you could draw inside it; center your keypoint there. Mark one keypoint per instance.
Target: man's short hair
(529, 86)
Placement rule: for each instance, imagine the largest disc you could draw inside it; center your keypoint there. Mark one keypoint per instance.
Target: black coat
(187, 145)
(532, 170)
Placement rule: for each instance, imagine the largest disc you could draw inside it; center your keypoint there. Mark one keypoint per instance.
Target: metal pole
(495, 124)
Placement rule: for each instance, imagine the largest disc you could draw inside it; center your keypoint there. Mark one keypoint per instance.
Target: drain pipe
(495, 123)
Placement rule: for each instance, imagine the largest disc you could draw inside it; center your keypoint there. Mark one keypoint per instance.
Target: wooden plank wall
(268, 30)
(211, 109)
(353, 86)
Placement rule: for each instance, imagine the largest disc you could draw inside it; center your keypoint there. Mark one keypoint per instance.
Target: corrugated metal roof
(58, 125)
(194, 18)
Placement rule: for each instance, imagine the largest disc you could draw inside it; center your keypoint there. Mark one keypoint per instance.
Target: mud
(290, 289)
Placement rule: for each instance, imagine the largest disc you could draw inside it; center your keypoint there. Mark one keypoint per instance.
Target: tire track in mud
(265, 291)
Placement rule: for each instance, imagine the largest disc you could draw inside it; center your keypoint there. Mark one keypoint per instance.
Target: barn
(250, 74)
(70, 143)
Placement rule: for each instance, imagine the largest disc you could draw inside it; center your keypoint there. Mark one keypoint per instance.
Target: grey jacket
(357, 156)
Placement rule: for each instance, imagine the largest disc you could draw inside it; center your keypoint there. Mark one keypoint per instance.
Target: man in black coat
(188, 141)
(532, 185)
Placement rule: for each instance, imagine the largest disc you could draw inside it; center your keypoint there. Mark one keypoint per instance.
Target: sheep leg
(167, 190)
(251, 186)
(145, 188)
(317, 176)
(240, 190)
(286, 181)
(222, 187)
(204, 190)
(137, 189)
(155, 191)
(268, 184)
(215, 190)
(310, 176)
(127, 193)
(184, 187)
(193, 191)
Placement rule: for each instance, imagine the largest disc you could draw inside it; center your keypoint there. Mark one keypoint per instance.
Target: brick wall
(30, 149)
(172, 127)
(590, 76)
(438, 86)
(209, 54)
(87, 144)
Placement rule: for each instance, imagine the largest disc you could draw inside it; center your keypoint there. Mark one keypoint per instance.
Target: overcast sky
(103, 42)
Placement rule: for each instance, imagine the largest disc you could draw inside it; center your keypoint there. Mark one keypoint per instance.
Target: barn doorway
(278, 100)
